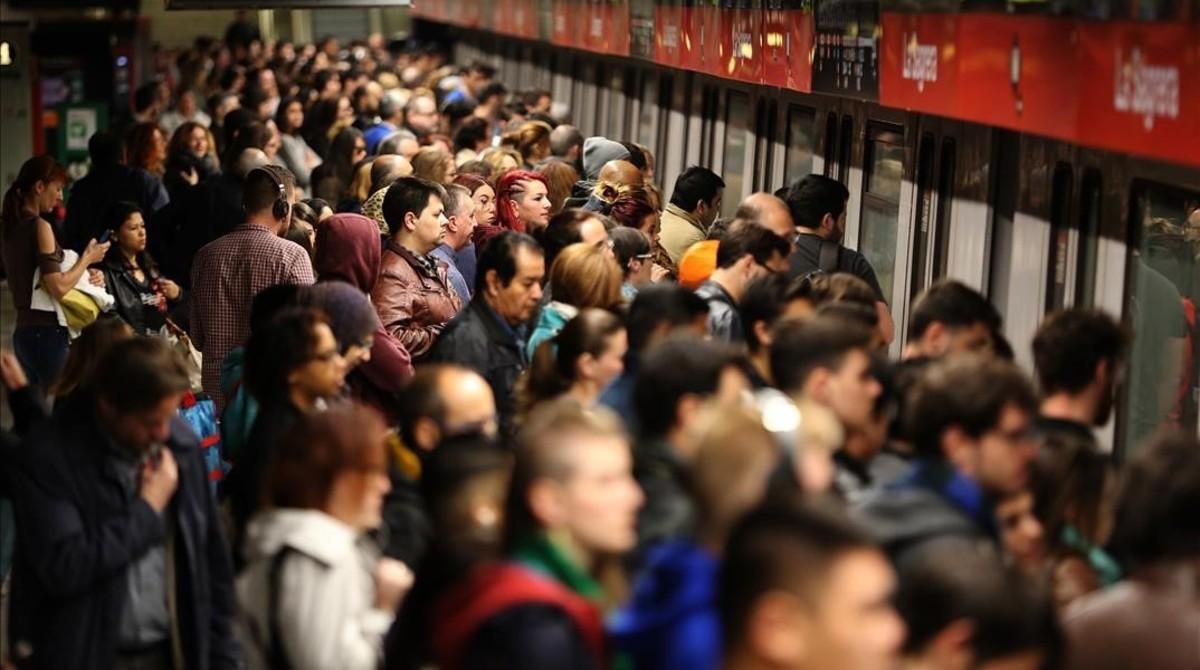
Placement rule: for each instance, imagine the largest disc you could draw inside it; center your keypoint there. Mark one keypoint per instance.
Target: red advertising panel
(919, 57)
(1019, 72)
(1141, 92)
(616, 28)
(738, 44)
(565, 24)
(692, 54)
(668, 34)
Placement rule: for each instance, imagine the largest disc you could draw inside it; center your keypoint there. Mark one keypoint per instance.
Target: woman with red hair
(523, 201)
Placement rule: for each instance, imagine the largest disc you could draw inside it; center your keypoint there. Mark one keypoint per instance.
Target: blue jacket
(550, 321)
(671, 621)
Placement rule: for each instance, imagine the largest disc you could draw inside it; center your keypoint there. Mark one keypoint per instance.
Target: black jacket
(204, 213)
(79, 535)
(128, 296)
(668, 513)
(477, 340)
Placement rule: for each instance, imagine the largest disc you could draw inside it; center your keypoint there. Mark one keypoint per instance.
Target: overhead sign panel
(283, 4)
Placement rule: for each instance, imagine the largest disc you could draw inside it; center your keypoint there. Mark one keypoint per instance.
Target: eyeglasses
(643, 257)
(360, 149)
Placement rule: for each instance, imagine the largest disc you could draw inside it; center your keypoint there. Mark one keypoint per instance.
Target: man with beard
(1078, 354)
(818, 207)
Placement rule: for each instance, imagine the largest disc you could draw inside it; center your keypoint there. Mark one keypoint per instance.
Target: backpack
(829, 257)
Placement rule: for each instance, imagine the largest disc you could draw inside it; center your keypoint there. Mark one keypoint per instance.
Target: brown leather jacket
(414, 302)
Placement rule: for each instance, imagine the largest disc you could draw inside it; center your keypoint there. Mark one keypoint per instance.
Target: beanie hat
(351, 315)
(597, 151)
(698, 263)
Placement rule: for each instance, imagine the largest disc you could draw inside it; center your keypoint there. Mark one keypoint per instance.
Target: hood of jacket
(679, 581)
(311, 532)
(901, 516)
(349, 249)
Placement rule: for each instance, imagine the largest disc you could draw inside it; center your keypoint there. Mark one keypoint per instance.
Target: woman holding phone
(143, 296)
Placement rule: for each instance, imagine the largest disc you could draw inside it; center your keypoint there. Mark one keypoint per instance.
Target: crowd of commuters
(488, 400)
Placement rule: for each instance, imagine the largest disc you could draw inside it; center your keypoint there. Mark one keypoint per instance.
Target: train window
(1090, 193)
(733, 169)
(941, 243)
(799, 143)
(926, 155)
(845, 145)
(1058, 274)
(831, 134)
(881, 202)
(1162, 293)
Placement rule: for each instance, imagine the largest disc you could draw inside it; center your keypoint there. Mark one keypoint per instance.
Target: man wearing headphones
(231, 270)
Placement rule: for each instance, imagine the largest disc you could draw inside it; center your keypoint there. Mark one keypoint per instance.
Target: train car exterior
(1050, 161)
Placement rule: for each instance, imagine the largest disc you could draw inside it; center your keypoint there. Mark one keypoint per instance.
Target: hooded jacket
(349, 249)
(324, 603)
(596, 152)
(931, 503)
(671, 621)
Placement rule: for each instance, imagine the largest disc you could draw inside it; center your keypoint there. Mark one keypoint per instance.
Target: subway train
(1046, 154)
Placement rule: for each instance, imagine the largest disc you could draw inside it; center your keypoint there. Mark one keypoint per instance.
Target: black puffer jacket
(477, 340)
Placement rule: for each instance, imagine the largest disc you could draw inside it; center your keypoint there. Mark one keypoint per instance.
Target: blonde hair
(583, 276)
(732, 456)
(526, 138)
(431, 163)
(360, 187)
(494, 157)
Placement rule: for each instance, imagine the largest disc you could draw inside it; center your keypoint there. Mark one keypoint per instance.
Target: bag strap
(829, 257)
(174, 328)
(276, 655)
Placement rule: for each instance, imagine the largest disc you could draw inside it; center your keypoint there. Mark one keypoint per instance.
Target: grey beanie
(599, 150)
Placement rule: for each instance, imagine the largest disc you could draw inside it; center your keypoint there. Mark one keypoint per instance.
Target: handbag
(180, 341)
(80, 309)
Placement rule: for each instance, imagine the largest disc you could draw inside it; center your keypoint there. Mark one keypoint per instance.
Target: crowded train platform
(481, 346)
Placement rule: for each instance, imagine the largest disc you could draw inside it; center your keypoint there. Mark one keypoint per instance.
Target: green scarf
(537, 551)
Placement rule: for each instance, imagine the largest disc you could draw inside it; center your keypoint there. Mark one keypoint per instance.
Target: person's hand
(191, 176)
(160, 479)
(96, 277)
(169, 289)
(94, 253)
(658, 273)
(11, 372)
(393, 579)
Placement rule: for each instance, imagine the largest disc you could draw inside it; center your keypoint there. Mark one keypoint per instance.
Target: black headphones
(279, 208)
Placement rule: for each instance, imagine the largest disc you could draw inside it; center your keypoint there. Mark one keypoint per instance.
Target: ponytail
(552, 371)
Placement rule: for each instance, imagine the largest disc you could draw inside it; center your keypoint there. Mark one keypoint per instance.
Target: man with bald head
(615, 177)
(441, 402)
(387, 169)
(770, 212)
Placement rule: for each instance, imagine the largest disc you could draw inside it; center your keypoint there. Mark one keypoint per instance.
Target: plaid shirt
(228, 272)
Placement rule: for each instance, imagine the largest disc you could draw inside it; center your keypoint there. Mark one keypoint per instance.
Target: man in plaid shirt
(229, 271)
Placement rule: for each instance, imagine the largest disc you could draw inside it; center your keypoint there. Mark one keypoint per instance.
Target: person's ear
(491, 283)
(818, 386)
(585, 366)
(545, 502)
(933, 340)
(410, 221)
(426, 434)
(1103, 371)
(776, 629)
(951, 646)
(762, 332)
(828, 222)
(959, 449)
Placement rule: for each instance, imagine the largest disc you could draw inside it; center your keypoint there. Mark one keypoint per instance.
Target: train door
(1044, 177)
(882, 181)
(733, 143)
(795, 153)
(674, 150)
(766, 121)
(1162, 292)
(649, 112)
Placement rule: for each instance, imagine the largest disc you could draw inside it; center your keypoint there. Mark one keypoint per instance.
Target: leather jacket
(413, 298)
